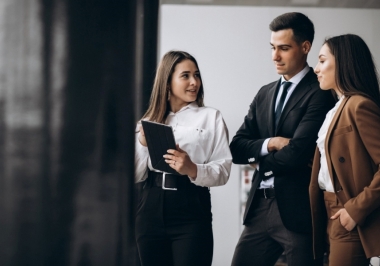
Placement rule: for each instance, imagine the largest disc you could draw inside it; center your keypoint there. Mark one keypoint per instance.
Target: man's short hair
(302, 26)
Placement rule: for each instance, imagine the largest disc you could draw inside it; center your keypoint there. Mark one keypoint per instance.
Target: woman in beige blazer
(345, 183)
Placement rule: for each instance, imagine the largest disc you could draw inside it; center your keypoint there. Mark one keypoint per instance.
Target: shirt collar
(298, 77)
(192, 105)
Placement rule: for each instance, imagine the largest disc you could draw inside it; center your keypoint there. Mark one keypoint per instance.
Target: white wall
(231, 45)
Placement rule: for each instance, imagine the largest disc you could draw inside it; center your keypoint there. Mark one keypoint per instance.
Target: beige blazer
(353, 156)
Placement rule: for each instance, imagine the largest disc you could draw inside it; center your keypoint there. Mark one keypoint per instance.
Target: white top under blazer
(324, 179)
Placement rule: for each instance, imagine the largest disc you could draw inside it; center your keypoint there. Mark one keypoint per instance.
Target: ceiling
(284, 3)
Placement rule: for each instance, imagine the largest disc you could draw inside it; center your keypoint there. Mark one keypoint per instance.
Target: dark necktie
(280, 105)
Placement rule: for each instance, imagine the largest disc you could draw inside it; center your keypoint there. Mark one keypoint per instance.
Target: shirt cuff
(201, 171)
(264, 149)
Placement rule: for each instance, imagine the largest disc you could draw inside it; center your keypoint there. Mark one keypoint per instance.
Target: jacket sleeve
(301, 147)
(247, 143)
(367, 121)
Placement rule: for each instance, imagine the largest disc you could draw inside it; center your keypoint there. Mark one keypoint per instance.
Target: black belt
(168, 181)
(267, 193)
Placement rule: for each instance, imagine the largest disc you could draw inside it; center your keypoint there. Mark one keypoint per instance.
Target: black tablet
(159, 138)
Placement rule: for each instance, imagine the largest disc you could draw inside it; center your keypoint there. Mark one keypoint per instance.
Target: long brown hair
(158, 105)
(355, 72)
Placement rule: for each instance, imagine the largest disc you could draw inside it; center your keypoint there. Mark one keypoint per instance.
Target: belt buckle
(163, 183)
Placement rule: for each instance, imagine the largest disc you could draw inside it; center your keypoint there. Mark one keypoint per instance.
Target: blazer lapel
(297, 95)
(328, 136)
(271, 99)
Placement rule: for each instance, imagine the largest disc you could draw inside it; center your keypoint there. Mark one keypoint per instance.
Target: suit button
(342, 160)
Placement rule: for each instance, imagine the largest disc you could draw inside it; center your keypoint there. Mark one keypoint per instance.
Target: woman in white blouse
(174, 227)
(345, 183)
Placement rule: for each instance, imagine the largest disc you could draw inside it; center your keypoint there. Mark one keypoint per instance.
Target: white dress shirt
(202, 133)
(324, 178)
(264, 149)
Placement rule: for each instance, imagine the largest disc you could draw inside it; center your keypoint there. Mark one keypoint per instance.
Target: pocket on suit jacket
(342, 130)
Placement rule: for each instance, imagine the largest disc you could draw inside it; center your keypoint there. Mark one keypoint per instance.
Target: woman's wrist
(193, 172)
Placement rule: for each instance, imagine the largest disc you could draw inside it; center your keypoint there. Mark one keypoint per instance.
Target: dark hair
(158, 105)
(355, 71)
(302, 26)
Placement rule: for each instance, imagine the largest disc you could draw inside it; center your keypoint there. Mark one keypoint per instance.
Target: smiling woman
(184, 85)
(174, 217)
(325, 69)
(345, 183)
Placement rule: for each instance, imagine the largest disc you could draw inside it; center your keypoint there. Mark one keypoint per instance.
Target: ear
(306, 46)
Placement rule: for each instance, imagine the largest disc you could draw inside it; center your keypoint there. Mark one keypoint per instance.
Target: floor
(282, 261)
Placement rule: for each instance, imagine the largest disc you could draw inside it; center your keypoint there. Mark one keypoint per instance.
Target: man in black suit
(278, 138)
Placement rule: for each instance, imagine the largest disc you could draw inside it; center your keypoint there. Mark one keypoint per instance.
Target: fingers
(176, 152)
(345, 219)
(336, 215)
(170, 157)
(173, 161)
(277, 143)
(172, 152)
(283, 142)
(253, 165)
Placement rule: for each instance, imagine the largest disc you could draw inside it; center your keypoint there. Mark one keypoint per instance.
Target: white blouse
(324, 179)
(202, 133)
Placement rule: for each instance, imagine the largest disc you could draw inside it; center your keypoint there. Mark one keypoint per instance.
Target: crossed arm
(285, 154)
(274, 144)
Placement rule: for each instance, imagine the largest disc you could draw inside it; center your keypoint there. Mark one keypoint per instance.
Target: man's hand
(345, 219)
(253, 165)
(277, 143)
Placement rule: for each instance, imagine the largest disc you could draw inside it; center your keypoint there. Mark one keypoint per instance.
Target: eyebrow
(188, 71)
(281, 45)
(321, 55)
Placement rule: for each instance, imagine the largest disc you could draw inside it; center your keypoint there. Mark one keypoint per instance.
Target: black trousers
(174, 227)
(265, 238)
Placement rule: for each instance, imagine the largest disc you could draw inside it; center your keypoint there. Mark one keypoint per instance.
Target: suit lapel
(297, 94)
(328, 136)
(271, 99)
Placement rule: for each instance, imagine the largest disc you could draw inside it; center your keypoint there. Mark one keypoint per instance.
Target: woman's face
(325, 70)
(184, 85)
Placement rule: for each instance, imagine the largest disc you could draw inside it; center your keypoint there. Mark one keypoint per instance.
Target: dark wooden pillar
(146, 56)
(69, 98)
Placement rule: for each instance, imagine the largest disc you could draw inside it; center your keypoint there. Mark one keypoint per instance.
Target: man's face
(289, 57)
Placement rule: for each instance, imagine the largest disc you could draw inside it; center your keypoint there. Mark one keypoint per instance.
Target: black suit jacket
(300, 121)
